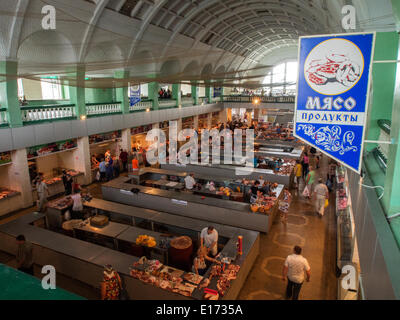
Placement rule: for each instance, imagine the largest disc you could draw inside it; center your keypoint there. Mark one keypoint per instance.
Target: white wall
(32, 89)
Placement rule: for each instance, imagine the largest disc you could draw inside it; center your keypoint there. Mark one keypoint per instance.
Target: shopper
(102, 169)
(190, 182)
(322, 193)
(24, 255)
(111, 285)
(43, 193)
(298, 169)
(284, 205)
(116, 167)
(123, 157)
(332, 171)
(310, 179)
(209, 239)
(254, 191)
(109, 169)
(77, 207)
(293, 270)
(135, 164)
(305, 163)
(199, 262)
(67, 181)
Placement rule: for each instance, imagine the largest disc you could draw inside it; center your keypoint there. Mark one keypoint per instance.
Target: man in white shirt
(209, 239)
(322, 193)
(43, 192)
(294, 268)
(190, 182)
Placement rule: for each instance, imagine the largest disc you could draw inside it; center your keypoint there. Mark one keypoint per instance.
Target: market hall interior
(77, 110)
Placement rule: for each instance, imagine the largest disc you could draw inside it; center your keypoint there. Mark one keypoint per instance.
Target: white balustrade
(166, 103)
(141, 105)
(47, 113)
(187, 101)
(3, 118)
(107, 108)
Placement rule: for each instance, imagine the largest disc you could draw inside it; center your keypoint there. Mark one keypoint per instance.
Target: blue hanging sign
(217, 92)
(332, 94)
(134, 95)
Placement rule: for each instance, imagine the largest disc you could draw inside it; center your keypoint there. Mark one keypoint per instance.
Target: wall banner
(332, 94)
(134, 95)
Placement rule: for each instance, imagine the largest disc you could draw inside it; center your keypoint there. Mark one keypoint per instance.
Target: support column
(391, 199)
(153, 94)
(176, 94)
(209, 120)
(82, 159)
(222, 94)
(19, 177)
(77, 90)
(256, 114)
(209, 93)
(196, 122)
(195, 94)
(249, 118)
(126, 140)
(223, 116)
(9, 92)
(122, 88)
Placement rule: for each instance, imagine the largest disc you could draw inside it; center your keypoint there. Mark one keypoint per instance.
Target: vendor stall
(10, 200)
(99, 144)
(215, 119)
(151, 279)
(51, 160)
(203, 121)
(138, 136)
(188, 123)
(199, 206)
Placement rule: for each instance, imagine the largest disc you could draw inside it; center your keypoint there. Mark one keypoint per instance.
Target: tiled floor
(316, 235)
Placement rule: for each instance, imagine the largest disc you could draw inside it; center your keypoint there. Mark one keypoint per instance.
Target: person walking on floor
(123, 157)
(298, 169)
(294, 268)
(24, 255)
(310, 179)
(322, 193)
(305, 163)
(102, 169)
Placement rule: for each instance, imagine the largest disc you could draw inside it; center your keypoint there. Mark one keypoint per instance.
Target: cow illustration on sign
(334, 66)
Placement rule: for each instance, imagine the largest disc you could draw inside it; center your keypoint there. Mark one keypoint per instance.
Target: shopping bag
(306, 192)
(326, 203)
(98, 176)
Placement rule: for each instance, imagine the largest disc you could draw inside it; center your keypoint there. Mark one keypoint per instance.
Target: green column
(77, 90)
(176, 94)
(391, 198)
(195, 93)
(209, 93)
(153, 94)
(383, 77)
(9, 92)
(122, 89)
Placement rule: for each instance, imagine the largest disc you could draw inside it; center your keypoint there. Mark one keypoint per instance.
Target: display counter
(228, 212)
(238, 172)
(9, 201)
(84, 261)
(55, 183)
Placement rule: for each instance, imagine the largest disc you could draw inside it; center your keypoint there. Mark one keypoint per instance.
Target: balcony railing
(32, 114)
(3, 118)
(264, 99)
(187, 101)
(141, 105)
(202, 100)
(166, 103)
(94, 109)
(216, 99)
